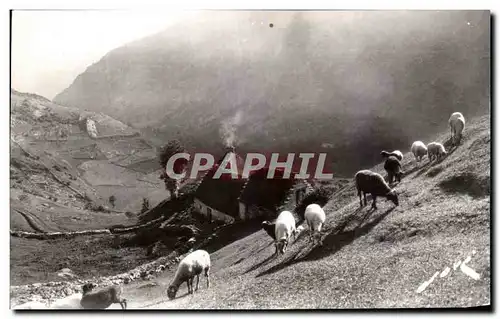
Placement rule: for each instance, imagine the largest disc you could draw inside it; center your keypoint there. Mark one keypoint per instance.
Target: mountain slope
(61, 177)
(54, 157)
(314, 78)
(369, 258)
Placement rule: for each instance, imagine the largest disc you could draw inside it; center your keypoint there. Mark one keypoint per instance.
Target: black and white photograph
(210, 159)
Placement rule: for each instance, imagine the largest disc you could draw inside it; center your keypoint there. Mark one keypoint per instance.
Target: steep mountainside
(63, 157)
(65, 164)
(433, 250)
(315, 81)
(369, 258)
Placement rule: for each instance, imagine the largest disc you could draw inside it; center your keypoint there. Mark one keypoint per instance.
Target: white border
(186, 4)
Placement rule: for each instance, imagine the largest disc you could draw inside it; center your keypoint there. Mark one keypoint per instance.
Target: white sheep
(457, 125)
(190, 266)
(299, 229)
(31, 305)
(435, 150)
(103, 298)
(395, 153)
(373, 183)
(284, 228)
(315, 218)
(69, 302)
(419, 150)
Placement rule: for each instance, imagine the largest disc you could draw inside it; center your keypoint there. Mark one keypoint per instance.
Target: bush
(319, 196)
(171, 148)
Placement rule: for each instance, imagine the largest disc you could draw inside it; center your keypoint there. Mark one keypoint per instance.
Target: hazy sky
(50, 48)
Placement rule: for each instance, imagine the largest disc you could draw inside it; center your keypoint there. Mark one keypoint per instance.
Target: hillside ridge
(377, 259)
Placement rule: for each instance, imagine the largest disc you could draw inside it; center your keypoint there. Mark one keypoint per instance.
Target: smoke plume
(228, 129)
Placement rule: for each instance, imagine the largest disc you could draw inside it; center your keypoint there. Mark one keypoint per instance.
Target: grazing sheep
(435, 150)
(419, 150)
(396, 153)
(192, 265)
(315, 218)
(103, 298)
(393, 168)
(284, 228)
(269, 228)
(373, 183)
(457, 125)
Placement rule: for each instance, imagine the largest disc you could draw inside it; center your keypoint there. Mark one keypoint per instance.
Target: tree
(112, 200)
(145, 205)
(320, 196)
(166, 152)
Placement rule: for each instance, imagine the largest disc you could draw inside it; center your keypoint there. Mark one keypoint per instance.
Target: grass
(370, 258)
(39, 260)
(41, 197)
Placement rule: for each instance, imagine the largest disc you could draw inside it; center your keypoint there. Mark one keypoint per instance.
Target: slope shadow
(334, 241)
(265, 261)
(416, 168)
(467, 183)
(299, 236)
(255, 253)
(431, 165)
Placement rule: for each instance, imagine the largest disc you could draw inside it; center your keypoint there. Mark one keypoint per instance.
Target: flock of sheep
(367, 182)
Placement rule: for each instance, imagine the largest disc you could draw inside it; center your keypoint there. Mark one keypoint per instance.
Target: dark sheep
(393, 168)
(101, 299)
(373, 183)
(395, 153)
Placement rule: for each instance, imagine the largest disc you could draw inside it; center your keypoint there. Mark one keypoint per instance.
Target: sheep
(31, 305)
(69, 302)
(457, 125)
(315, 218)
(103, 298)
(284, 228)
(373, 183)
(299, 229)
(419, 150)
(435, 150)
(269, 228)
(396, 153)
(393, 168)
(190, 266)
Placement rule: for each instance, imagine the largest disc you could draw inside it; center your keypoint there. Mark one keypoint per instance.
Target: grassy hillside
(56, 167)
(60, 176)
(369, 258)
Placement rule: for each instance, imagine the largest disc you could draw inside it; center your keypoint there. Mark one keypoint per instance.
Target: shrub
(164, 154)
(319, 196)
